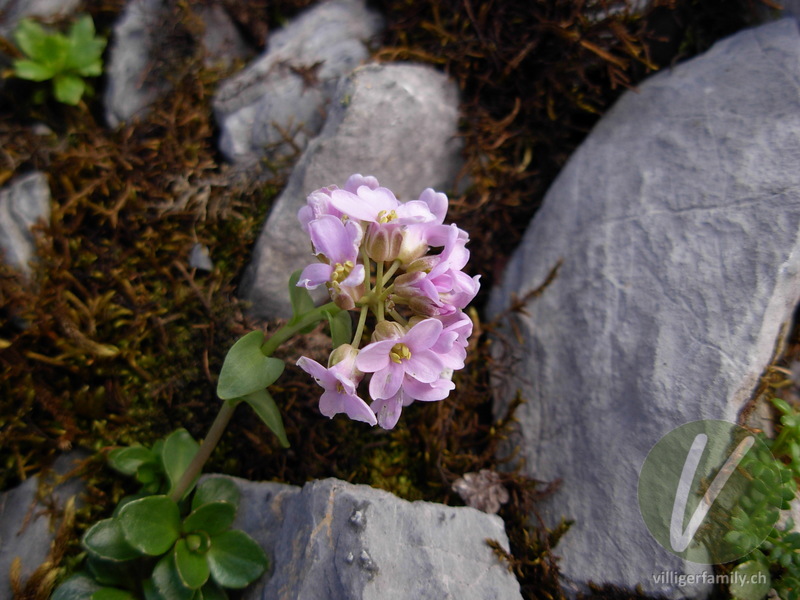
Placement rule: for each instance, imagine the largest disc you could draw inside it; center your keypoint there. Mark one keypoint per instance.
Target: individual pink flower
(407, 362)
(338, 243)
(340, 382)
(318, 203)
(387, 410)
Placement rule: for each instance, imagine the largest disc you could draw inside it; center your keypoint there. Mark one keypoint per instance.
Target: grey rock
(677, 223)
(331, 540)
(274, 106)
(13, 11)
(26, 522)
(200, 258)
(23, 203)
(398, 122)
(137, 43)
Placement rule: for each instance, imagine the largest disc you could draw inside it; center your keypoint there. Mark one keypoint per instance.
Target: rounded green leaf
(211, 591)
(246, 369)
(167, 581)
(68, 88)
(192, 566)
(178, 451)
(216, 489)
(301, 300)
(750, 581)
(32, 71)
(235, 559)
(30, 37)
(108, 593)
(262, 403)
(341, 327)
(128, 460)
(105, 539)
(213, 518)
(151, 524)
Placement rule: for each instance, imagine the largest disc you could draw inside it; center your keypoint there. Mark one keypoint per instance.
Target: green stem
(206, 448)
(388, 275)
(362, 319)
(291, 329)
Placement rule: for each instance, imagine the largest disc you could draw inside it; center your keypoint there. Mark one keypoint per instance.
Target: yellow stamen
(399, 352)
(341, 271)
(385, 217)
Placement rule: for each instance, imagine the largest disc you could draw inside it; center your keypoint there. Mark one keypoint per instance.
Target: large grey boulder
(13, 11)
(275, 105)
(23, 203)
(136, 73)
(398, 122)
(28, 522)
(677, 222)
(331, 540)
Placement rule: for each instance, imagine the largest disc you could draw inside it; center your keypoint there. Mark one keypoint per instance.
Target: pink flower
(340, 382)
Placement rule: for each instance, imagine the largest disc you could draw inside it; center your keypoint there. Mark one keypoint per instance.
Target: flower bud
(388, 330)
(341, 354)
(383, 242)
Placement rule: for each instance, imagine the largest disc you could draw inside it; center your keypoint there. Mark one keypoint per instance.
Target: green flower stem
(388, 275)
(362, 319)
(206, 448)
(291, 329)
(377, 306)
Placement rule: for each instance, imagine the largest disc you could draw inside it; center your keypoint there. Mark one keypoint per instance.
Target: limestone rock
(278, 102)
(23, 203)
(25, 522)
(137, 48)
(331, 540)
(397, 122)
(13, 11)
(677, 222)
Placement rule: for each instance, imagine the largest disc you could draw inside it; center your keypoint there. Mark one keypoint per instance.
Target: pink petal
(332, 239)
(428, 392)
(353, 206)
(324, 377)
(386, 382)
(374, 356)
(424, 366)
(388, 411)
(437, 203)
(423, 335)
(315, 275)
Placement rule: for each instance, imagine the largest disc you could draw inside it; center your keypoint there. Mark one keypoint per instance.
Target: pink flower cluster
(374, 257)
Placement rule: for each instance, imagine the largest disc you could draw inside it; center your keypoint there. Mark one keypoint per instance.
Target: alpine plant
(400, 268)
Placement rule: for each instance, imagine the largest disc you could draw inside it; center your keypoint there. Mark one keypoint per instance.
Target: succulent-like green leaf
(177, 452)
(78, 587)
(68, 88)
(105, 539)
(30, 37)
(32, 70)
(216, 489)
(210, 591)
(151, 524)
(127, 460)
(246, 369)
(192, 567)
(212, 518)
(85, 49)
(262, 403)
(167, 581)
(236, 559)
(750, 581)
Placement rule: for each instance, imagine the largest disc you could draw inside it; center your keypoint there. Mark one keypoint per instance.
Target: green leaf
(177, 453)
(236, 559)
(210, 591)
(68, 88)
(78, 587)
(341, 328)
(105, 539)
(84, 48)
(213, 518)
(750, 581)
(168, 582)
(151, 524)
(216, 489)
(32, 71)
(192, 567)
(108, 593)
(262, 403)
(30, 37)
(127, 460)
(246, 369)
(301, 300)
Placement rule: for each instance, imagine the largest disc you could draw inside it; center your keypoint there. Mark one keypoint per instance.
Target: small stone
(23, 203)
(274, 106)
(200, 258)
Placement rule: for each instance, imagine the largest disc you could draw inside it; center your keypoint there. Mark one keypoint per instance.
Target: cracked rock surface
(678, 222)
(331, 540)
